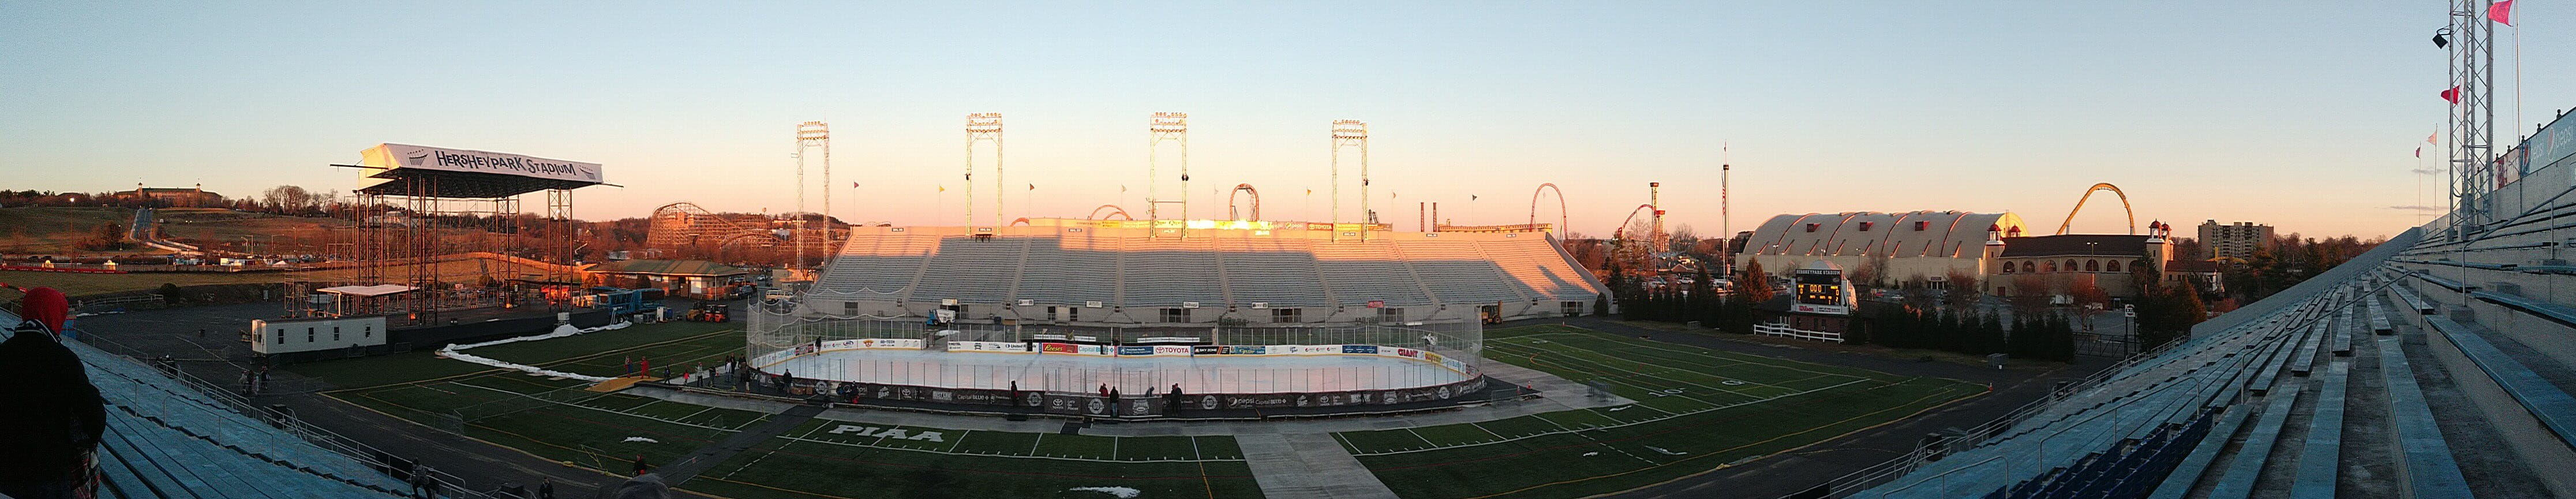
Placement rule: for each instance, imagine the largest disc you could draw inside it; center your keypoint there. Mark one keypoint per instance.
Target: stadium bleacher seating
(166, 438)
(908, 271)
(2283, 383)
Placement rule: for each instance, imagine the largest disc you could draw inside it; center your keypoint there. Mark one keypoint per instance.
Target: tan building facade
(1881, 247)
(2237, 241)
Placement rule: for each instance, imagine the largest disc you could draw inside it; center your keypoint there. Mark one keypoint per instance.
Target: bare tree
(1965, 290)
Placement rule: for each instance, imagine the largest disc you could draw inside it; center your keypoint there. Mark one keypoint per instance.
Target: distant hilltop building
(2237, 241)
(177, 196)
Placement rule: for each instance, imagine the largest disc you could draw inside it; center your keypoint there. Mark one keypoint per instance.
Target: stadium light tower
(1166, 127)
(2473, 169)
(984, 126)
(812, 134)
(1350, 133)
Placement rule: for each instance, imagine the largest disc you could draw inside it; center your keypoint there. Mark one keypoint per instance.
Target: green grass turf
(1019, 465)
(599, 354)
(592, 430)
(1697, 409)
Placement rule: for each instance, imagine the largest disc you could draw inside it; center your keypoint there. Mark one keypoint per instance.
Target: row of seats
(166, 439)
(2144, 426)
(1133, 268)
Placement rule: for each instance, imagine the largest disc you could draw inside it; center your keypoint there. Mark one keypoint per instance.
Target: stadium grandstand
(2437, 365)
(1137, 273)
(173, 436)
(1913, 245)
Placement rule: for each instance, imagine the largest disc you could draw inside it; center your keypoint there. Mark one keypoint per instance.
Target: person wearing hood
(54, 418)
(645, 485)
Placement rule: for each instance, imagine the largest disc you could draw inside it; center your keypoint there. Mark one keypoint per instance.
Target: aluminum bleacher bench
(2561, 314)
(2320, 458)
(2444, 283)
(2549, 269)
(2413, 301)
(2546, 401)
(2430, 471)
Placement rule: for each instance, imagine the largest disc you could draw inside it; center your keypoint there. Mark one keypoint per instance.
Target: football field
(1697, 409)
(556, 419)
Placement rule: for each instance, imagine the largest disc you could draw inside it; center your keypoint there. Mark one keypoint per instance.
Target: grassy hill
(53, 229)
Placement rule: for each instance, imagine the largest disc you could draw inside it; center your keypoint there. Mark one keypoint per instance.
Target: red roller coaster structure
(1113, 210)
(1256, 202)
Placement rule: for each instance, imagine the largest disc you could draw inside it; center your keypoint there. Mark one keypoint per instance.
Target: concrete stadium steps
(1149, 269)
(1268, 267)
(1368, 271)
(1460, 258)
(914, 249)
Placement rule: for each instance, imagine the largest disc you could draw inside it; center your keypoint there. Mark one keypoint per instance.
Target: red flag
(2452, 95)
(854, 185)
(2501, 12)
(2419, 151)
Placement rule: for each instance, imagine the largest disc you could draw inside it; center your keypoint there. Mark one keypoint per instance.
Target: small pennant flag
(2434, 138)
(2419, 151)
(2501, 12)
(943, 188)
(854, 185)
(1310, 191)
(1471, 197)
(1033, 187)
(2452, 95)
(1122, 188)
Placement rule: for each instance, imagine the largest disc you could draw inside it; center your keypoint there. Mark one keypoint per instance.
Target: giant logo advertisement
(405, 156)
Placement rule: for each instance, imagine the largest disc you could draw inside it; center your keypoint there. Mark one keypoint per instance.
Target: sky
(2302, 115)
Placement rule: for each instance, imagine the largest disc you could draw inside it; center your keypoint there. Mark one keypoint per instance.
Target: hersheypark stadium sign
(404, 156)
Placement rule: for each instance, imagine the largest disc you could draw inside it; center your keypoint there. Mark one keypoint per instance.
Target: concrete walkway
(1307, 465)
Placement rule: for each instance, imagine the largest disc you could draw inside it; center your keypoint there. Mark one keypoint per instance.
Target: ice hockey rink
(1130, 375)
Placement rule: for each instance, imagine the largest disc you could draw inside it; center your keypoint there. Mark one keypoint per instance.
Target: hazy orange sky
(2303, 118)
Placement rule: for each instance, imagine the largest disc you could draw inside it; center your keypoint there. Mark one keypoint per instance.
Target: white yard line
(1575, 358)
(1488, 431)
(1597, 441)
(1418, 436)
(1620, 425)
(1033, 444)
(961, 439)
(568, 404)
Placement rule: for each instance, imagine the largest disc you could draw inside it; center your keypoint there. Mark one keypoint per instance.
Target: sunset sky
(2300, 115)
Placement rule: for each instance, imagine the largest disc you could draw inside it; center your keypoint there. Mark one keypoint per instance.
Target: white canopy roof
(376, 290)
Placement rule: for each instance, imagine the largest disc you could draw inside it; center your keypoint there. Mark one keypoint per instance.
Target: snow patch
(1121, 492)
(455, 351)
(642, 439)
(1665, 452)
(1620, 408)
(1593, 453)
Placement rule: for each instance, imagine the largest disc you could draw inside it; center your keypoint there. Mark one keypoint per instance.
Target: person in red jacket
(53, 419)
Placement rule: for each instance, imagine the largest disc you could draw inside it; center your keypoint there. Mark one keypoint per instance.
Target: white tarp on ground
(453, 351)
